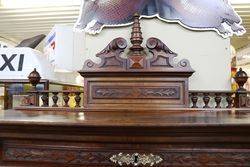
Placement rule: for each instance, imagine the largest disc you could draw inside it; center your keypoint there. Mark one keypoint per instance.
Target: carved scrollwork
(163, 57)
(136, 159)
(184, 63)
(111, 60)
(154, 43)
(113, 92)
(131, 92)
(162, 60)
(110, 56)
(116, 44)
(161, 92)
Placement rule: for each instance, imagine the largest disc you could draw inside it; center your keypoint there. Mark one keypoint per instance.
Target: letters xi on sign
(12, 62)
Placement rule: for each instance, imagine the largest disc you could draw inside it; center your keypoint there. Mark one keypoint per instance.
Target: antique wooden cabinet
(172, 138)
(128, 118)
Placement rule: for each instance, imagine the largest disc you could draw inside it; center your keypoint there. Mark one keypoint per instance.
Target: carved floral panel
(204, 157)
(170, 92)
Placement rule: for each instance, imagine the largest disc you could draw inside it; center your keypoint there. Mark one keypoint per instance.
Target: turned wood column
(229, 100)
(194, 99)
(55, 99)
(34, 79)
(206, 100)
(78, 99)
(45, 99)
(217, 100)
(136, 57)
(66, 99)
(241, 78)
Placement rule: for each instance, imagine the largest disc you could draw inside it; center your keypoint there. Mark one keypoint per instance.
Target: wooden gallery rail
(223, 99)
(197, 99)
(34, 97)
(212, 99)
(55, 97)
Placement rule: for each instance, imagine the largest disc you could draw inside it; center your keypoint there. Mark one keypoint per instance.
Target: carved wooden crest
(146, 78)
(156, 57)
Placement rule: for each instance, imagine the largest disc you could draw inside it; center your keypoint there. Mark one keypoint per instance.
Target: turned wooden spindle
(206, 100)
(45, 99)
(136, 58)
(229, 100)
(194, 99)
(66, 99)
(136, 35)
(55, 99)
(34, 79)
(78, 99)
(217, 100)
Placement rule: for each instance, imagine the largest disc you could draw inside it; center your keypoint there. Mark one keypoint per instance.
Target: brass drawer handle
(136, 159)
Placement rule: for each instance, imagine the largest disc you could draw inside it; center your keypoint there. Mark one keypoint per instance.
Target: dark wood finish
(66, 99)
(7, 103)
(194, 99)
(241, 99)
(55, 99)
(34, 78)
(229, 100)
(180, 137)
(136, 36)
(222, 99)
(63, 109)
(241, 78)
(218, 100)
(78, 99)
(136, 80)
(45, 99)
(206, 100)
(46, 95)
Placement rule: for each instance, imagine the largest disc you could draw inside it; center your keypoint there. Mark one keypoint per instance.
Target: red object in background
(233, 71)
(53, 45)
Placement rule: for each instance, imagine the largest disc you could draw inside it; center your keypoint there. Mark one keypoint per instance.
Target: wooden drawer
(91, 154)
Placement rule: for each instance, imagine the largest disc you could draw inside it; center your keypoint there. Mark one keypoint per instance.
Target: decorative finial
(136, 35)
(241, 78)
(137, 55)
(34, 78)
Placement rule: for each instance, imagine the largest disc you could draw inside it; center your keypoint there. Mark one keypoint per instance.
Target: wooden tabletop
(124, 118)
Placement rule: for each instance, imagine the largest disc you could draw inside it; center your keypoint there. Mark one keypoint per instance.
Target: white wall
(208, 53)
